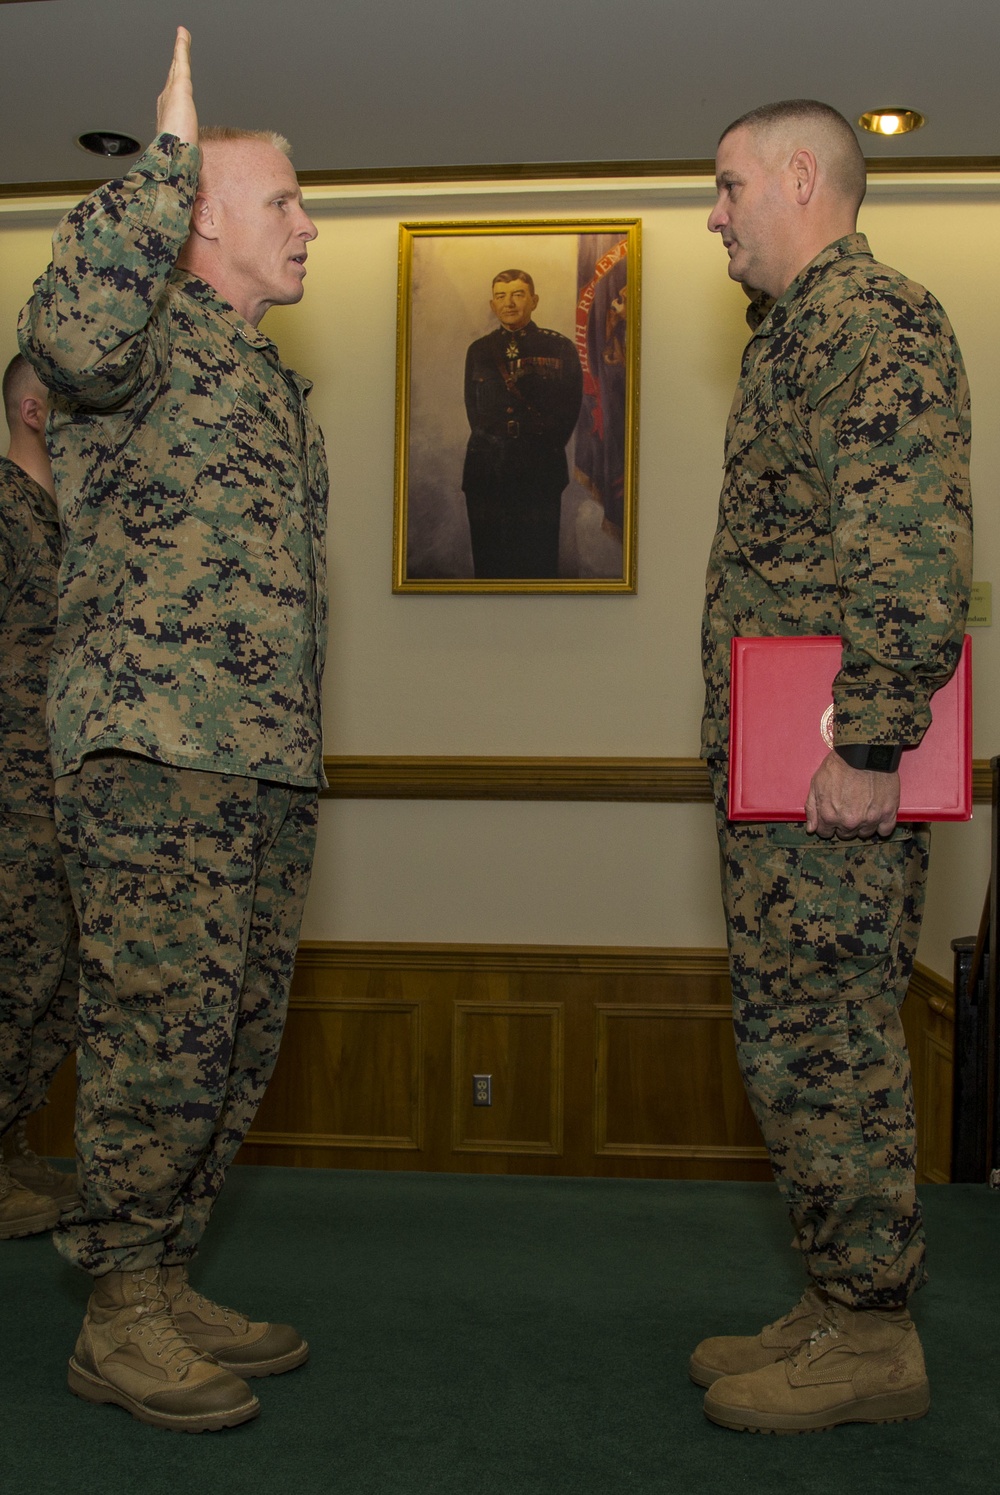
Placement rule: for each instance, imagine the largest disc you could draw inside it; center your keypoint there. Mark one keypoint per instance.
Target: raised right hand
(175, 111)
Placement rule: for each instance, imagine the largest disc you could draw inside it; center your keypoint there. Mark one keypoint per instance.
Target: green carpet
(517, 1335)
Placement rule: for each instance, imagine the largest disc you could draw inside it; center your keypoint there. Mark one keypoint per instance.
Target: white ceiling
(378, 84)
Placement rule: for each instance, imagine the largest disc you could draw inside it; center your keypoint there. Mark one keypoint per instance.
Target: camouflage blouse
(192, 489)
(845, 505)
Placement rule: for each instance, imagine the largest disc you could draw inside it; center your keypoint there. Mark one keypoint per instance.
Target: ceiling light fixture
(891, 121)
(108, 143)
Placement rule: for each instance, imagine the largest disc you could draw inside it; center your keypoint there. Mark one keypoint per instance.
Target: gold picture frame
(500, 486)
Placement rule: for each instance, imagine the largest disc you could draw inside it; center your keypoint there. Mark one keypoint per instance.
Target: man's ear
(204, 217)
(33, 412)
(803, 169)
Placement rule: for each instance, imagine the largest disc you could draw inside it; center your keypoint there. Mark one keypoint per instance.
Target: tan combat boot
(248, 1348)
(21, 1211)
(734, 1355)
(859, 1366)
(32, 1172)
(131, 1353)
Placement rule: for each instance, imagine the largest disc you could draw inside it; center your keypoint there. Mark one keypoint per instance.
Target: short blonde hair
(217, 134)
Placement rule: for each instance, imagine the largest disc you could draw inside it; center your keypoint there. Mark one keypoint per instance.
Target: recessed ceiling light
(108, 143)
(891, 121)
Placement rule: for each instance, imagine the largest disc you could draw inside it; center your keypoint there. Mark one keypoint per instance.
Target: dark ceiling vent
(108, 143)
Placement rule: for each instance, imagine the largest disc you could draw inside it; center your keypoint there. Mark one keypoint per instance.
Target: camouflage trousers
(822, 937)
(189, 889)
(38, 973)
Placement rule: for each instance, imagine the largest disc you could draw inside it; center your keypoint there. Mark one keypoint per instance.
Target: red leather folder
(781, 728)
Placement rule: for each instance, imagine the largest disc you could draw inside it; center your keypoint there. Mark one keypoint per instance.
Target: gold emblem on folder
(826, 726)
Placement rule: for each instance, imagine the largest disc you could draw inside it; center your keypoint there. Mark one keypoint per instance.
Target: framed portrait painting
(517, 406)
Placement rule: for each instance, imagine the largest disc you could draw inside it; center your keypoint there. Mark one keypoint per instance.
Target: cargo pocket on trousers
(159, 940)
(142, 926)
(844, 923)
(149, 1070)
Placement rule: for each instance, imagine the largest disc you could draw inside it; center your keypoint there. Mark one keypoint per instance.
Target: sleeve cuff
(878, 719)
(166, 158)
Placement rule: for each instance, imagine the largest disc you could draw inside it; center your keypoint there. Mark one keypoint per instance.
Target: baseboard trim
(650, 1150)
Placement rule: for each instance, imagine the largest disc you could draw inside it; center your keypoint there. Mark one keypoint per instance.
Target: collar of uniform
(517, 331)
(39, 501)
(850, 246)
(206, 295)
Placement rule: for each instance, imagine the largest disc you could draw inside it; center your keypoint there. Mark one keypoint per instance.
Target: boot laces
(154, 1325)
(807, 1307)
(27, 1154)
(818, 1341)
(20, 1130)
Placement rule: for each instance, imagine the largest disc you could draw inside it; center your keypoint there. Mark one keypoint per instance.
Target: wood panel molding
(671, 1098)
(337, 955)
(696, 1111)
(696, 168)
(360, 1067)
(330, 1141)
(929, 1023)
(648, 780)
(628, 780)
(929, 987)
(630, 1072)
(508, 1041)
(939, 1069)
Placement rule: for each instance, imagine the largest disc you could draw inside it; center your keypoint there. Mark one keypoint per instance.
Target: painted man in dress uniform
(845, 510)
(184, 715)
(523, 388)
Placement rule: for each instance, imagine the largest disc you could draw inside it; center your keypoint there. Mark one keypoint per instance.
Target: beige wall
(566, 675)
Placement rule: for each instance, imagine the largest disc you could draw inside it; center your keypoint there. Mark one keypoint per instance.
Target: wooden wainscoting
(607, 1062)
(929, 1023)
(616, 1062)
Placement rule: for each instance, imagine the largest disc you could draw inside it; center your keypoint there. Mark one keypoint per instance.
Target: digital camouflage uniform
(38, 972)
(184, 702)
(523, 391)
(845, 510)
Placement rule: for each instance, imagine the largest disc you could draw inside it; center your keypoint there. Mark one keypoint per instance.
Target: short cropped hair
(506, 275)
(847, 163)
(17, 377)
(217, 134)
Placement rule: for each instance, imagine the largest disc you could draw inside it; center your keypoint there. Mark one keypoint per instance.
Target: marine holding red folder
(845, 514)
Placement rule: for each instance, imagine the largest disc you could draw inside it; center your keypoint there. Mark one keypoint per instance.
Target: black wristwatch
(879, 757)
